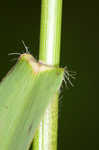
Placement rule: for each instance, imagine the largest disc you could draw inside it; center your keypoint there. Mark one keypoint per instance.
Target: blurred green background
(79, 107)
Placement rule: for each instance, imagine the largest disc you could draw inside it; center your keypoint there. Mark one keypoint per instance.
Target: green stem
(51, 14)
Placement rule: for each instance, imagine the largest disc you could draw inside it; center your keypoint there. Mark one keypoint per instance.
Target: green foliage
(25, 94)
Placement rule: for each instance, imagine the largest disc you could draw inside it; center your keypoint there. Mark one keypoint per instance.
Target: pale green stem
(51, 14)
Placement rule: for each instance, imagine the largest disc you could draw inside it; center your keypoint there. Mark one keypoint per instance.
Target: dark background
(79, 108)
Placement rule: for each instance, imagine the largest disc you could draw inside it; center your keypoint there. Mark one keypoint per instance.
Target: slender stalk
(51, 14)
